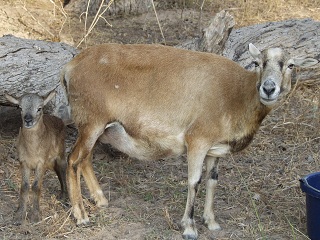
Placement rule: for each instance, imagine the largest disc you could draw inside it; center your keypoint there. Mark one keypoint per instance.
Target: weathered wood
(299, 37)
(32, 66)
(214, 36)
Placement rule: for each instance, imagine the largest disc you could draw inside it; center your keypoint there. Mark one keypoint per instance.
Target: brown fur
(151, 102)
(40, 148)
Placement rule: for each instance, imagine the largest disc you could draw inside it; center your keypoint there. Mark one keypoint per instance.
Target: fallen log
(32, 66)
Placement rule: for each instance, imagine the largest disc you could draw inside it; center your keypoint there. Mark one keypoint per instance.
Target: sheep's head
(274, 68)
(31, 107)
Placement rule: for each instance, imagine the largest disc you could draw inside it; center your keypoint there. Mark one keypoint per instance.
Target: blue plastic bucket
(310, 184)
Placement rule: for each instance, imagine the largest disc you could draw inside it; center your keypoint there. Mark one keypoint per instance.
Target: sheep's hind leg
(81, 152)
(92, 182)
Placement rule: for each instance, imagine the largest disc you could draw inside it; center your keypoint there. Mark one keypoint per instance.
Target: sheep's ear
(49, 97)
(12, 99)
(305, 62)
(255, 53)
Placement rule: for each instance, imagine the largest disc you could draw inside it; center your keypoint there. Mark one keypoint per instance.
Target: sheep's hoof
(211, 224)
(190, 234)
(83, 222)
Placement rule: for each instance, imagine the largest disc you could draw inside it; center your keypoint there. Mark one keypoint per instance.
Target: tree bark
(34, 66)
(214, 36)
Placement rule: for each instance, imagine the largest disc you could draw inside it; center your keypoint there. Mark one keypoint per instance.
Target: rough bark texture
(214, 36)
(34, 66)
(299, 37)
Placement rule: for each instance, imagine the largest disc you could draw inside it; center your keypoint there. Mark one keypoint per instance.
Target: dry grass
(248, 12)
(258, 195)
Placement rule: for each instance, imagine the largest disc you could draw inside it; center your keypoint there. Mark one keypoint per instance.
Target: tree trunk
(214, 36)
(32, 66)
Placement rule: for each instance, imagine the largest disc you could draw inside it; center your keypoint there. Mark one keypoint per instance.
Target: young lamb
(40, 146)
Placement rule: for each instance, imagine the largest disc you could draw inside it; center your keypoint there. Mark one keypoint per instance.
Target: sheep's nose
(28, 119)
(269, 87)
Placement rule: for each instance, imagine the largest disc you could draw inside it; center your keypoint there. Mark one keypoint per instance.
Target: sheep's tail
(63, 110)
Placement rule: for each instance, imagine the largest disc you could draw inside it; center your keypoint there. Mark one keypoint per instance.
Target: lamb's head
(274, 68)
(31, 107)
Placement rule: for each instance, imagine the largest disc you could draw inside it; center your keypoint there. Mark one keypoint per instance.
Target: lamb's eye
(256, 64)
(290, 66)
(39, 109)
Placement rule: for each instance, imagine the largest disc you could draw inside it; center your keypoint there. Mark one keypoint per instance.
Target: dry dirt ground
(258, 196)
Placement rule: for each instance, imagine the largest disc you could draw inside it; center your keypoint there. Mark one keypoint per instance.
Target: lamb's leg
(20, 214)
(60, 167)
(35, 215)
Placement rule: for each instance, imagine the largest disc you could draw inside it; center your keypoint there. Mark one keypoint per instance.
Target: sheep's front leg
(20, 214)
(35, 215)
(195, 162)
(211, 183)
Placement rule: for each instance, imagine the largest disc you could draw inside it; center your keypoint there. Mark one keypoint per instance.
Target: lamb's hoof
(35, 217)
(19, 219)
(18, 222)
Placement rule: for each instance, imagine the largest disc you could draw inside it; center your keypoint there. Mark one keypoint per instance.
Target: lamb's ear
(12, 99)
(255, 53)
(49, 97)
(305, 62)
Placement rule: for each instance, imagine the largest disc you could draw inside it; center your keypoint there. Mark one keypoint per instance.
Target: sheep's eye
(290, 66)
(39, 109)
(256, 64)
